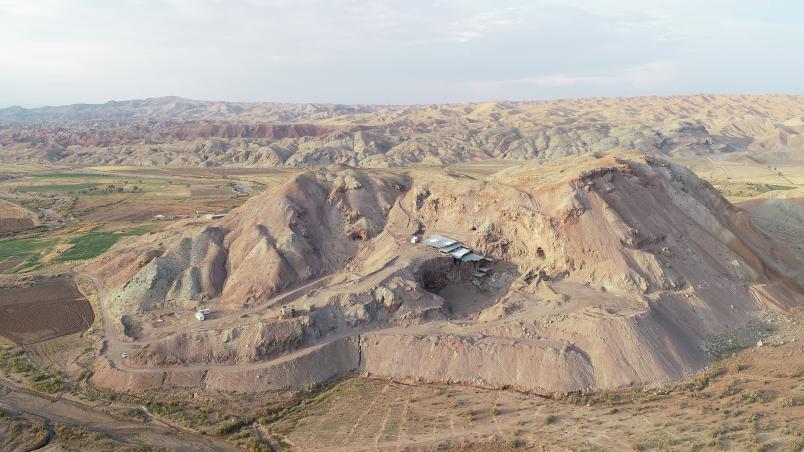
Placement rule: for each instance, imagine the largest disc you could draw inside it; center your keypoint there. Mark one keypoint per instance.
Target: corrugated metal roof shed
(459, 253)
(471, 257)
(451, 248)
(439, 241)
(454, 248)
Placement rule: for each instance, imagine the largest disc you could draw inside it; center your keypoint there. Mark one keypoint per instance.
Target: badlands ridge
(172, 131)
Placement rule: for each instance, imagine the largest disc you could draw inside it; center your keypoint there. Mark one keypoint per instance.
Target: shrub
(232, 427)
(753, 395)
(516, 443)
(255, 445)
(136, 413)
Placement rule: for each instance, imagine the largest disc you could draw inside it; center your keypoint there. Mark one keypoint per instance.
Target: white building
(202, 314)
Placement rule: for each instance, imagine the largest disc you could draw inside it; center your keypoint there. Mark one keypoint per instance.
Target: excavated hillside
(182, 132)
(310, 226)
(603, 271)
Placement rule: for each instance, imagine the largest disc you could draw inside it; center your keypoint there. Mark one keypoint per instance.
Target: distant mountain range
(183, 132)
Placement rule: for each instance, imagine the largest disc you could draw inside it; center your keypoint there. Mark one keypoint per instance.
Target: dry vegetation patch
(749, 401)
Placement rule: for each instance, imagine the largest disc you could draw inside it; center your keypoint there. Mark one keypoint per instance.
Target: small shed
(450, 248)
(471, 257)
(438, 241)
(459, 252)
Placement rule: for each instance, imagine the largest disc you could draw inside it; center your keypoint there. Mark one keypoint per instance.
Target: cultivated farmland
(42, 311)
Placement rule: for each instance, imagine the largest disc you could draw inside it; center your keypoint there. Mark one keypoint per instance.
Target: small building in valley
(202, 314)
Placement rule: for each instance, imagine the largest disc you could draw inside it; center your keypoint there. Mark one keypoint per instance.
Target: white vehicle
(124, 355)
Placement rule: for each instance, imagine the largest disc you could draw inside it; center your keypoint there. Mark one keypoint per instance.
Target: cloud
(387, 51)
(651, 74)
(467, 27)
(465, 35)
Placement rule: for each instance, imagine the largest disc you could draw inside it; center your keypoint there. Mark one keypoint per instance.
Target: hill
(181, 132)
(603, 272)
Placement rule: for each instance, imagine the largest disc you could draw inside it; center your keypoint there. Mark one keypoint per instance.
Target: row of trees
(112, 188)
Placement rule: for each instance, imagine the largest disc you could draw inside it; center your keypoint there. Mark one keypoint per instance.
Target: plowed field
(43, 311)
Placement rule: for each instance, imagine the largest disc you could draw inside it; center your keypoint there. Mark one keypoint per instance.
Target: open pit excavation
(586, 273)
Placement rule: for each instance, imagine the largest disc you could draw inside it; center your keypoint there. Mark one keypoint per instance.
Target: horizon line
(7, 106)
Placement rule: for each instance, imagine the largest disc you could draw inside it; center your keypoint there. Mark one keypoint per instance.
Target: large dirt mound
(309, 227)
(608, 271)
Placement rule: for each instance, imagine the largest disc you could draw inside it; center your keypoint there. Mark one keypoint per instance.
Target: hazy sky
(406, 51)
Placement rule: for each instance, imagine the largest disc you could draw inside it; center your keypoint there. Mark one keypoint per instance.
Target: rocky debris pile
(755, 332)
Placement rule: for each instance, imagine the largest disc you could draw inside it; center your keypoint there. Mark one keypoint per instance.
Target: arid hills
(579, 274)
(607, 271)
(179, 132)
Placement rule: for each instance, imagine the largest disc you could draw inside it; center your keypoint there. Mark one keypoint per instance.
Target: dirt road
(50, 410)
(115, 347)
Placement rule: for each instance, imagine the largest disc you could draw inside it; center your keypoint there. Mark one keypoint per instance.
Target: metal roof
(439, 241)
(471, 257)
(459, 253)
(454, 248)
(451, 248)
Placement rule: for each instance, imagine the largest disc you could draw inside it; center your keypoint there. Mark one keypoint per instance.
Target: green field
(779, 187)
(71, 175)
(93, 244)
(84, 213)
(84, 246)
(29, 251)
(55, 188)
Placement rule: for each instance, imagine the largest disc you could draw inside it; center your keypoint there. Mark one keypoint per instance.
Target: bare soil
(42, 311)
(751, 401)
(8, 265)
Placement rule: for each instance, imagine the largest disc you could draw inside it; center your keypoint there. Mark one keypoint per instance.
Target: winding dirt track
(115, 347)
(19, 401)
